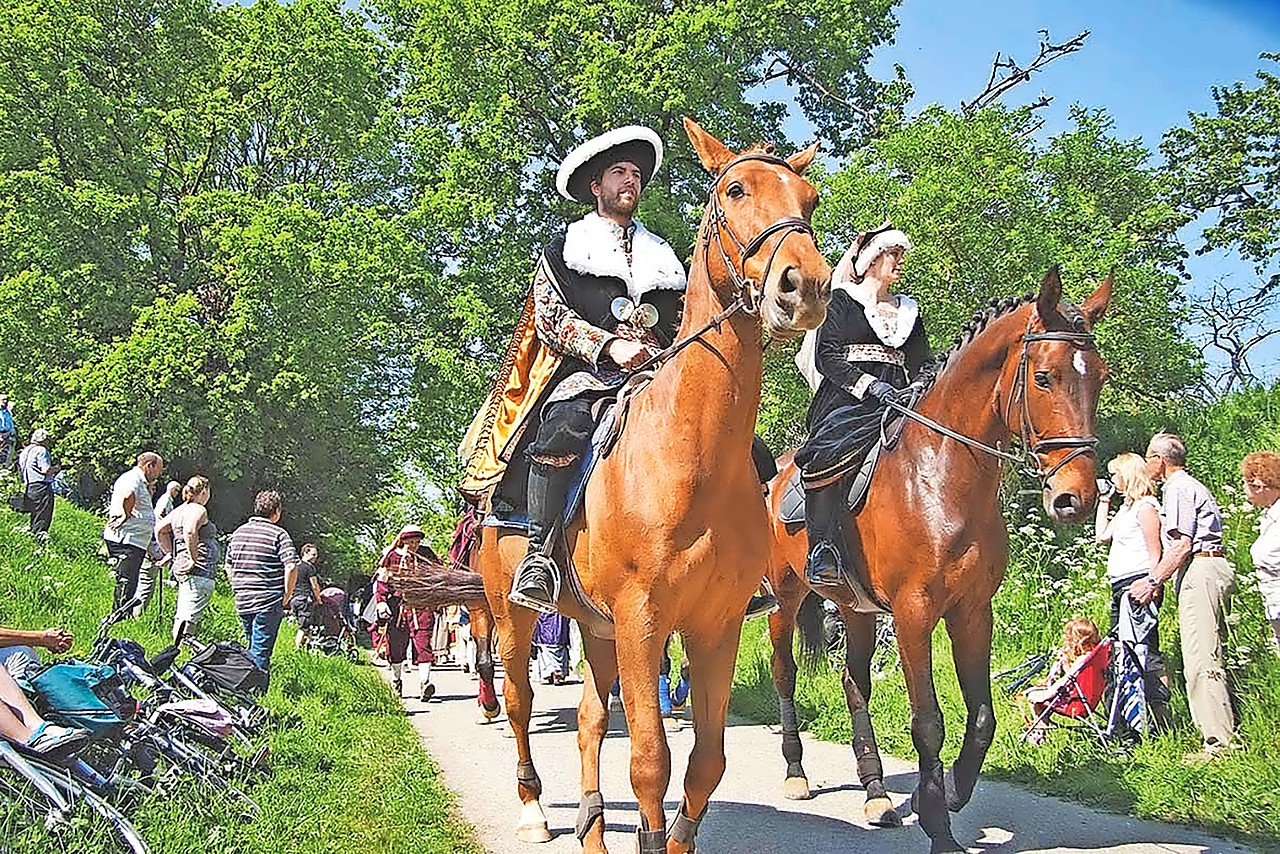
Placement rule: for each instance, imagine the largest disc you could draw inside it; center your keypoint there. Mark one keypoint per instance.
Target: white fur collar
(908, 311)
(592, 247)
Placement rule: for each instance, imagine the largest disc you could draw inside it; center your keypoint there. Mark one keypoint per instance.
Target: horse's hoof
(879, 812)
(796, 789)
(533, 833)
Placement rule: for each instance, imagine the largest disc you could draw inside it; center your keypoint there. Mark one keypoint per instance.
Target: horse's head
(1057, 378)
(756, 237)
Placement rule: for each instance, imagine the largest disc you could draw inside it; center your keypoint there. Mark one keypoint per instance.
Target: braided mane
(982, 318)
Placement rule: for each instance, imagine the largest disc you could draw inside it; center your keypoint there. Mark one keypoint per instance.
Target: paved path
(748, 814)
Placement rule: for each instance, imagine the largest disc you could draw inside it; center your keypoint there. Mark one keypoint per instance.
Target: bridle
(717, 223)
(747, 296)
(1032, 448)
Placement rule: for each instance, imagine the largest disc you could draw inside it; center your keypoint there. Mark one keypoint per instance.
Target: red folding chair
(1074, 696)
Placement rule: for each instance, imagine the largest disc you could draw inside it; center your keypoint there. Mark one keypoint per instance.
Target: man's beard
(617, 207)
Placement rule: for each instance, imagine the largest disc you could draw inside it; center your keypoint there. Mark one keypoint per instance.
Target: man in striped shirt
(262, 566)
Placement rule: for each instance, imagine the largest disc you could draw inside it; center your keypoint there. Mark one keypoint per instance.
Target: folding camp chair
(1074, 696)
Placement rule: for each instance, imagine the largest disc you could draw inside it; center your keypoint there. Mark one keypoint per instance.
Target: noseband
(717, 223)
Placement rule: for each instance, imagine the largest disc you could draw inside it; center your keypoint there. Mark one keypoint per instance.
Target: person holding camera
(1135, 549)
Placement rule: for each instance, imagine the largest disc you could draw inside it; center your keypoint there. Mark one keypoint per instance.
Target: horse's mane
(981, 319)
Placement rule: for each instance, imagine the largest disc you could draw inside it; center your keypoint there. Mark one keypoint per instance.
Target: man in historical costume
(406, 626)
(872, 343)
(606, 297)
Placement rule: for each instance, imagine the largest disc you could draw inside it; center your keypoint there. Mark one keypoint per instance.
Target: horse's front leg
(593, 725)
(970, 624)
(914, 620)
(782, 624)
(711, 674)
(860, 642)
(639, 648)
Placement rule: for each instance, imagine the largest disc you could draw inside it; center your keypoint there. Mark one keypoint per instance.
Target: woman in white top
(1261, 474)
(1134, 535)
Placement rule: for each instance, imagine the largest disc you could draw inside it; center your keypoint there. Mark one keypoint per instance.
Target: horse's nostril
(1067, 503)
(791, 282)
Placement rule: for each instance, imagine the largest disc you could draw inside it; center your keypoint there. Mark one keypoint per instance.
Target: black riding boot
(763, 602)
(537, 579)
(824, 514)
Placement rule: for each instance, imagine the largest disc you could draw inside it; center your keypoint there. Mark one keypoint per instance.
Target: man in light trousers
(1192, 528)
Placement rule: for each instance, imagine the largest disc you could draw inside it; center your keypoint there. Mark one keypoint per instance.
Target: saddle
(792, 506)
(611, 419)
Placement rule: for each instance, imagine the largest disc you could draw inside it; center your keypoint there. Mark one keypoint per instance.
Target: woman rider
(870, 346)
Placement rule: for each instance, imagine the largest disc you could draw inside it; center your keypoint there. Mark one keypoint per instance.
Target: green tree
(989, 211)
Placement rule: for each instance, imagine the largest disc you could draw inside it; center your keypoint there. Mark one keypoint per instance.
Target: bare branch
(780, 67)
(1236, 320)
(1006, 73)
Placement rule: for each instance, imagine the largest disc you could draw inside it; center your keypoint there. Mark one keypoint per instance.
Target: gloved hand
(882, 391)
(383, 610)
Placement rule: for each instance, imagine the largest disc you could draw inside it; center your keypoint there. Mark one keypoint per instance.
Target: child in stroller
(327, 627)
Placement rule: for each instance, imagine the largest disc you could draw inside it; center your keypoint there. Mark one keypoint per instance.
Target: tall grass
(348, 772)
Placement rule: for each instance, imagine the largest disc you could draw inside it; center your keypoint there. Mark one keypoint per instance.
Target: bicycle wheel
(63, 779)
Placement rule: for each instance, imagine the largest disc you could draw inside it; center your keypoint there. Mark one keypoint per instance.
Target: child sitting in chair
(1079, 637)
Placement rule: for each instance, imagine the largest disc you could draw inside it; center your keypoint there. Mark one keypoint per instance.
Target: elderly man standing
(262, 566)
(1192, 528)
(38, 472)
(131, 523)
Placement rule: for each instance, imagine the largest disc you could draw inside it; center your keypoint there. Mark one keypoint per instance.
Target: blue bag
(88, 696)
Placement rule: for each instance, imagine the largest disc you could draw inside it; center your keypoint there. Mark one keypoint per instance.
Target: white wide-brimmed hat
(633, 143)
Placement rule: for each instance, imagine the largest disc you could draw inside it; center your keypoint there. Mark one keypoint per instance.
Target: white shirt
(1129, 555)
(1265, 552)
(138, 529)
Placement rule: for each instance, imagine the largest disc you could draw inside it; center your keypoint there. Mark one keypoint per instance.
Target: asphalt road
(748, 813)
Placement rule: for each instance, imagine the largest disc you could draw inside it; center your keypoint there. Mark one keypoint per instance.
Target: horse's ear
(801, 160)
(713, 153)
(1096, 305)
(1050, 294)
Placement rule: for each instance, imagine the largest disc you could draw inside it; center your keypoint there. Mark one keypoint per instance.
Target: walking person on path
(190, 538)
(1192, 526)
(38, 472)
(406, 626)
(306, 592)
(262, 566)
(551, 638)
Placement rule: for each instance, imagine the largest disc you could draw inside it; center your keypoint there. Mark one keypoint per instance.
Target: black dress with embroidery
(844, 418)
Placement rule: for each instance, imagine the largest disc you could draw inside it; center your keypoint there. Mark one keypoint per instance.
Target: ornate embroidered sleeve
(829, 358)
(559, 326)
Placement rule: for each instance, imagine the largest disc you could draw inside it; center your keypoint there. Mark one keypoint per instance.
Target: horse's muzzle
(795, 303)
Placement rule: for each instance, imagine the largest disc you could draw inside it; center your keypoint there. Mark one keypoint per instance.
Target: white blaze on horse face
(1078, 361)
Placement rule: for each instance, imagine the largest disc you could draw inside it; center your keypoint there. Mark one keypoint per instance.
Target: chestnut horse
(675, 531)
(931, 539)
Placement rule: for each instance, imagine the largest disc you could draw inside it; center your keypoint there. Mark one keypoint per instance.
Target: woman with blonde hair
(1133, 533)
(188, 535)
(1261, 474)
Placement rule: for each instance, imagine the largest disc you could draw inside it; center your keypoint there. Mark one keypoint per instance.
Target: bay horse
(674, 534)
(931, 539)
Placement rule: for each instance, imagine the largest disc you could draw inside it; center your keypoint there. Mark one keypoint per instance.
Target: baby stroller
(329, 628)
(1073, 697)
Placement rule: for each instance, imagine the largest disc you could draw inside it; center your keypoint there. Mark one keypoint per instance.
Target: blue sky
(1148, 63)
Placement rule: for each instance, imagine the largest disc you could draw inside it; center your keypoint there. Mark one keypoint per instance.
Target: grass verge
(348, 773)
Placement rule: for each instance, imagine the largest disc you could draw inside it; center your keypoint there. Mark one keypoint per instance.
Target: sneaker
(399, 686)
(428, 691)
(49, 737)
(1209, 753)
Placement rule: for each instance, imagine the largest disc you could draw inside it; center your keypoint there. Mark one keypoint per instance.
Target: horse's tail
(813, 641)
